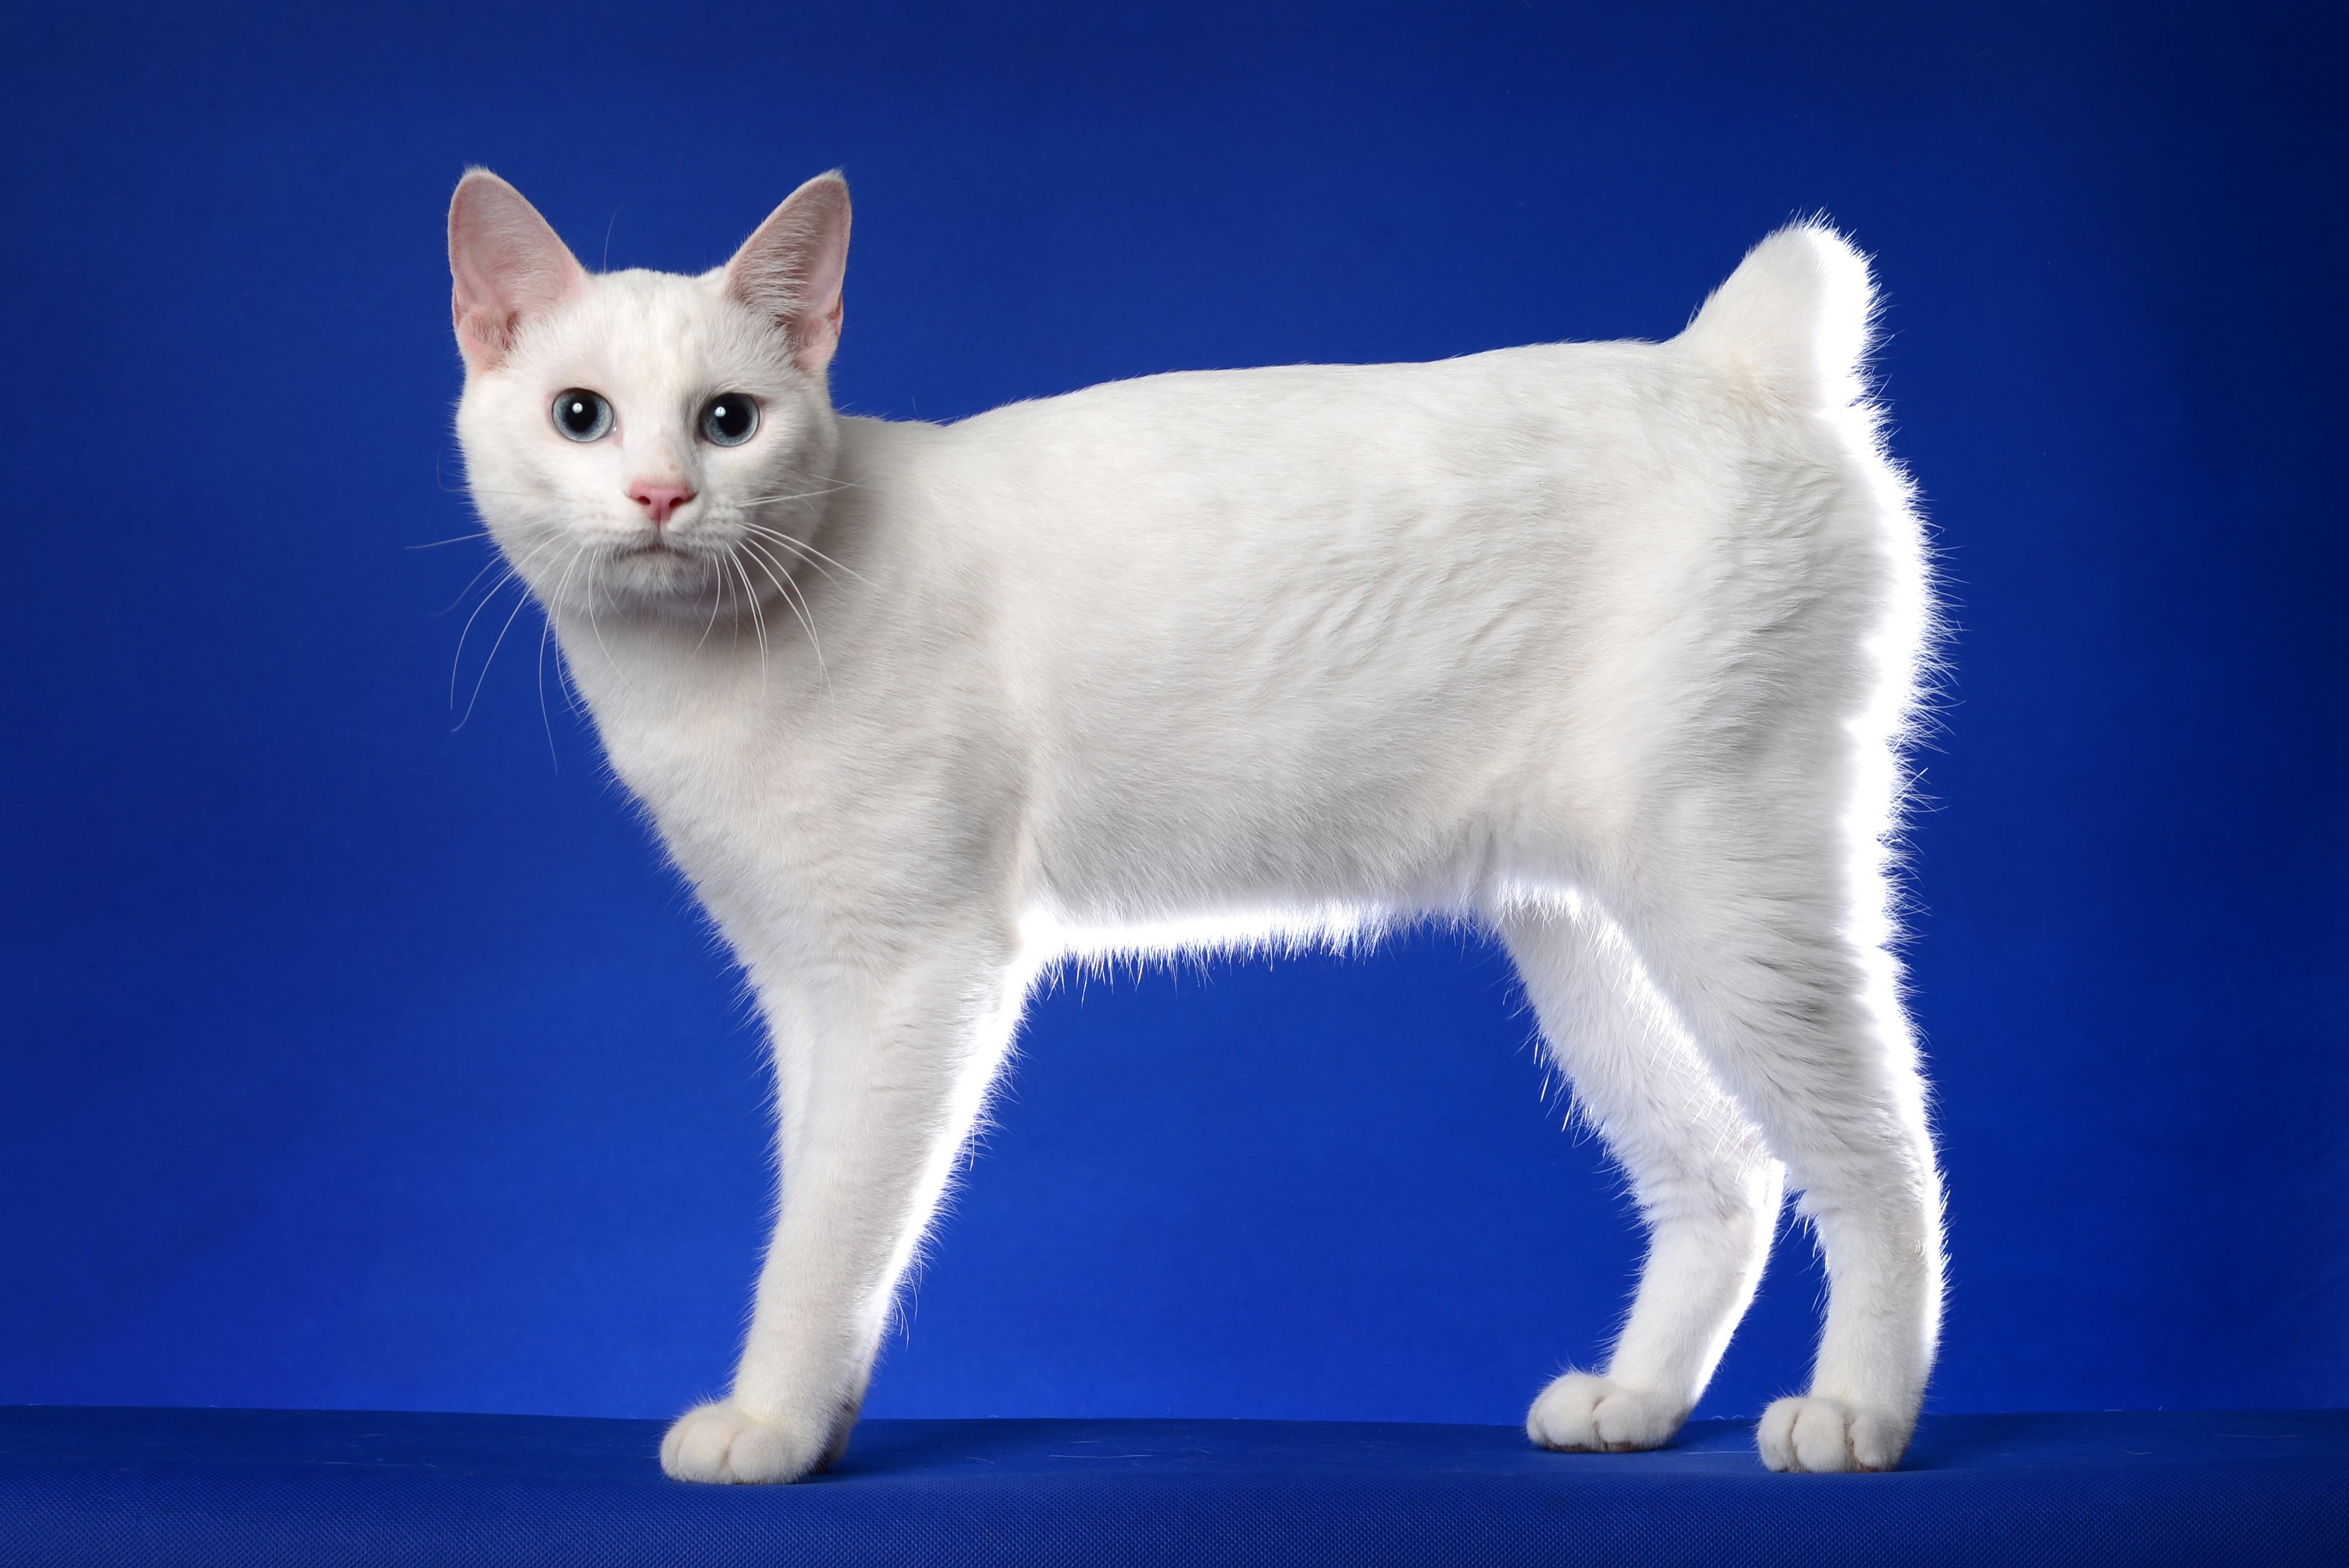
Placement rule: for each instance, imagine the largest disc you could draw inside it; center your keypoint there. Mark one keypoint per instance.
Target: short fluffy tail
(1796, 316)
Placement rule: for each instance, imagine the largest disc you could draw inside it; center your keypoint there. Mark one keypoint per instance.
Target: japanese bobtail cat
(1610, 646)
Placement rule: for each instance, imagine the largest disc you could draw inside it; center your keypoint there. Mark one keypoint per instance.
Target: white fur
(1608, 645)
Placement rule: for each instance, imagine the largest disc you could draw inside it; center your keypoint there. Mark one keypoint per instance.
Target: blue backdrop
(351, 1059)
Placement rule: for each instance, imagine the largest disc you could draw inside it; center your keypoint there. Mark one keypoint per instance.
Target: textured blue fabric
(245, 1487)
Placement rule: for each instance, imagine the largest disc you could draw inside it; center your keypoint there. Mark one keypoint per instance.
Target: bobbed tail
(1795, 317)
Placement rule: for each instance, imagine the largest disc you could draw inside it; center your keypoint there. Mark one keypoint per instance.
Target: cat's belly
(1136, 844)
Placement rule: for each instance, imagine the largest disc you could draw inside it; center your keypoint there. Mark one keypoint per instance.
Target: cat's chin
(658, 580)
(608, 598)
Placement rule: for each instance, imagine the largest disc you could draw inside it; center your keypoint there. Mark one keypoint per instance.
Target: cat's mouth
(657, 548)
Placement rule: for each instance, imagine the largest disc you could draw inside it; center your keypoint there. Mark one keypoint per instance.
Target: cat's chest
(683, 763)
(709, 761)
(741, 814)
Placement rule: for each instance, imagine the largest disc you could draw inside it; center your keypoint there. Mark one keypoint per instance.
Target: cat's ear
(790, 271)
(507, 263)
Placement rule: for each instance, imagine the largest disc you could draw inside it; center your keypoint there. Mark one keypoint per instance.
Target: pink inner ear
(790, 270)
(507, 264)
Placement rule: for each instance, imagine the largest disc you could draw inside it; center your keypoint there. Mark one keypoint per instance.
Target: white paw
(1585, 1414)
(721, 1442)
(1810, 1433)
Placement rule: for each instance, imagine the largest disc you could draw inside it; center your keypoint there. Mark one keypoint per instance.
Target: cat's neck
(622, 659)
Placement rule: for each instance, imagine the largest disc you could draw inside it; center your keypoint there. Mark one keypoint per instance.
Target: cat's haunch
(1612, 647)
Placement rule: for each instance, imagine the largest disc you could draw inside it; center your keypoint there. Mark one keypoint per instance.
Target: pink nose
(659, 500)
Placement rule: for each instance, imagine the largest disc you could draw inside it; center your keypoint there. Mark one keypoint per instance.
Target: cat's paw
(1807, 1432)
(719, 1442)
(1583, 1413)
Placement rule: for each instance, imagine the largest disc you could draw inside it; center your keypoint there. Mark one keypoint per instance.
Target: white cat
(1612, 646)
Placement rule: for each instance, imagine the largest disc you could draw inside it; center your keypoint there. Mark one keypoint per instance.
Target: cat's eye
(582, 415)
(729, 419)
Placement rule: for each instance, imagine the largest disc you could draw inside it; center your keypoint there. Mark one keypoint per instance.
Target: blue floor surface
(262, 1487)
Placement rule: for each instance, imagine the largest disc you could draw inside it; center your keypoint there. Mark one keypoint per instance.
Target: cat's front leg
(881, 1068)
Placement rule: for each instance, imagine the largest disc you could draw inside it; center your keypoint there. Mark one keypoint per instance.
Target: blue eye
(582, 415)
(729, 419)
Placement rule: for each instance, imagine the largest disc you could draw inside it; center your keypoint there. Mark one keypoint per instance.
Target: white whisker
(794, 598)
(545, 635)
(454, 663)
(823, 563)
(483, 677)
(797, 495)
(491, 564)
(595, 563)
(717, 599)
(758, 621)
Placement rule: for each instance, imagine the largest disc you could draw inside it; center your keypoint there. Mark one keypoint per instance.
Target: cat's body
(1607, 645)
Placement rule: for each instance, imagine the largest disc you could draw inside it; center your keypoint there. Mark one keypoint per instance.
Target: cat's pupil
(729, 419)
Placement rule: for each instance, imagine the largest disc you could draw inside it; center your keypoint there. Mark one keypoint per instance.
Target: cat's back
(1417, 425)
(1241, 483)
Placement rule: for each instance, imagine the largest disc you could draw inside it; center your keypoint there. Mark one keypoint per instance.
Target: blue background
(349, 1060)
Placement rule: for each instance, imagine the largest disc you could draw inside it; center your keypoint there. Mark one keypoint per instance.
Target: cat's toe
(721, 1442)
(1807, 1432)
(1584, 1413)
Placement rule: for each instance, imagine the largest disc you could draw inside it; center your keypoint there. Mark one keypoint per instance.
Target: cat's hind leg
(1760, 926)
(1707, 1189)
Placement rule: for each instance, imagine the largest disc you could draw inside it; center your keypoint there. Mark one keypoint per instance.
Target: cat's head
(646, 442)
